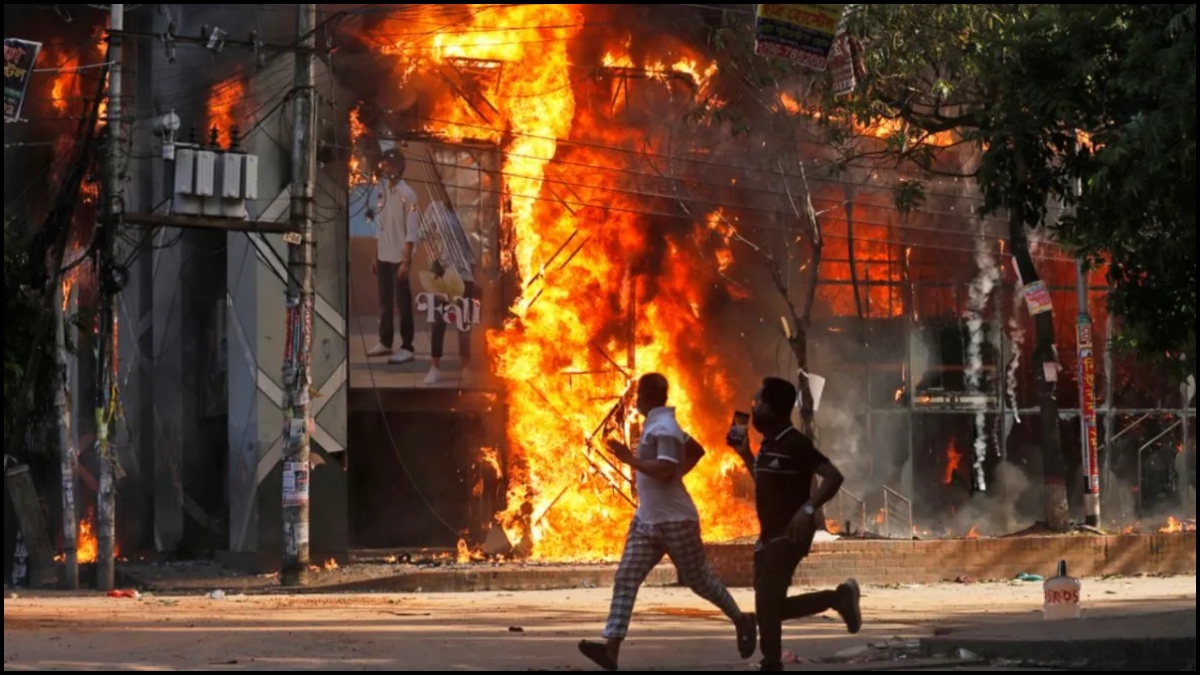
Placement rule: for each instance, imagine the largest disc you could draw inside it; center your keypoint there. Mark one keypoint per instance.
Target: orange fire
(973, 533)
(564, 499)
(832, 527)
(357, 129)
(877, 268)
(717, 223)
(330, 564)
(87, 547)
(224, 109)
(1176, 525)
(953, 462)
(880, 127)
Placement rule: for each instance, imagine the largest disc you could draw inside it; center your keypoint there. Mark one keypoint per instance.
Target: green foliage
(25, 308)
(1018, 82)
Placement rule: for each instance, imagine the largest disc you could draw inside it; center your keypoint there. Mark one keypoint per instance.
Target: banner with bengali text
(800, 33)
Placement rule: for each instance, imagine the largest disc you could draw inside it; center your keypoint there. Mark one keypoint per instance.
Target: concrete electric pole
(108, 275)
(298, 346)
(67, 456)
(1086, 376)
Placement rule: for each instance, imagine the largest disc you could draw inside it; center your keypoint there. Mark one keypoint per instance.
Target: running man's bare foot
(601, 654)
(848, 605)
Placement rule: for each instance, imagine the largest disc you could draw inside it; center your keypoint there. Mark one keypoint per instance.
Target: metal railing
(849, 508)
(897, 515)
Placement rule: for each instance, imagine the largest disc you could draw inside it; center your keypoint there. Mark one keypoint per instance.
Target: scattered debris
(126, 593)
(1026, 576)
(217, 595)
(516, 629)
(964, 579)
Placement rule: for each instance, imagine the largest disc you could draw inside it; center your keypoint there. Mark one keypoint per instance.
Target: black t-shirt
(783, 476)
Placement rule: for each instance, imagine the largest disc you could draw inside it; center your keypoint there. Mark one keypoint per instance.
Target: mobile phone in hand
(738, 429)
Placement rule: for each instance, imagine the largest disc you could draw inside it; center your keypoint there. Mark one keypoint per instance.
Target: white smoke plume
(980, 290)
(1016, 341)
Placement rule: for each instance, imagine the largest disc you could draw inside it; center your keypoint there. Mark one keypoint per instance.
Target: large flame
(626, 297)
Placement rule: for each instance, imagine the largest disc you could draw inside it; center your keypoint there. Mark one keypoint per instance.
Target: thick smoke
(1001, 510)
(980, 290)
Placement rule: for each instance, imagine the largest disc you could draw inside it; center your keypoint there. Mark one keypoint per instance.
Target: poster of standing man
(423, 260)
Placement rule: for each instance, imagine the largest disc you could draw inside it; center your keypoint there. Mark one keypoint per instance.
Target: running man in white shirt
(396, 220)
(666, 523)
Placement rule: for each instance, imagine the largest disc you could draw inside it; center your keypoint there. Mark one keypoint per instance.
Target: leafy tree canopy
(1058, 99)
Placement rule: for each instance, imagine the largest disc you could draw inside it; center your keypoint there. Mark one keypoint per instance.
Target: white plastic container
(1061, 596)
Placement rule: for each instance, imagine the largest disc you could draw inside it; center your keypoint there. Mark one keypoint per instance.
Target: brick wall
(889, 562)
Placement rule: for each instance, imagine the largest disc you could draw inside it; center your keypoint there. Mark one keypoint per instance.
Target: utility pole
(1086, 377)
(106, 404)
(67, 456)
(297, 358)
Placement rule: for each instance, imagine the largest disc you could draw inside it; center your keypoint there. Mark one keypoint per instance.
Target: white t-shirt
(663, 501)
(396, 218)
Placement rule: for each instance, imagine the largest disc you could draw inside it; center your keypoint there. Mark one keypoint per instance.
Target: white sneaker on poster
(402, 356)
(433, 377)
(379, 350)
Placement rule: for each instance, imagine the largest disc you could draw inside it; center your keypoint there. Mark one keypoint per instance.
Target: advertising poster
(800, 33)
(19, 57)
(424, 324)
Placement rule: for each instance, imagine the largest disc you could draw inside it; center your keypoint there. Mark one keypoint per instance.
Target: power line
(680, 216)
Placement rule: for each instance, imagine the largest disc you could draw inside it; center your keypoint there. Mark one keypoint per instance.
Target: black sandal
(747, 635)
(598, 653)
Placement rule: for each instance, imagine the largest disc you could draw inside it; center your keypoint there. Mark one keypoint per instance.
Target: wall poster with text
(424, 268)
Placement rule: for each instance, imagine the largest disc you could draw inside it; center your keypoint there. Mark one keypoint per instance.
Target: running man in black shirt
(784, 473)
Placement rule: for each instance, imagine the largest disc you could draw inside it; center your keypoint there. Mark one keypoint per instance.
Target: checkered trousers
(645, 546)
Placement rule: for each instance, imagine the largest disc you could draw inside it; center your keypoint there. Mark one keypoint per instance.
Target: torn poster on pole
(295, 483)
(800, 33)
(19, 57)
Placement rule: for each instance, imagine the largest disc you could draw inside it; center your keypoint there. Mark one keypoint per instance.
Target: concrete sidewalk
(1145, 641)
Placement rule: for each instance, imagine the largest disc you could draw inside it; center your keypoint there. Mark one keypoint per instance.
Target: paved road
(490, 631)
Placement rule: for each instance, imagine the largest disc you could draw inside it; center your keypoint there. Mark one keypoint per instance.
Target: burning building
(585, 216)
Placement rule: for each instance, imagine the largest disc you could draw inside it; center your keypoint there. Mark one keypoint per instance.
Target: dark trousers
(395, 290)
(438, 339)
(774, 565)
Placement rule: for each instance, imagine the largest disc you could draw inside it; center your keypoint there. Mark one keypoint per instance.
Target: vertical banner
(842, 66)
(1087, 404)
(19, 57)
(800, 33)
